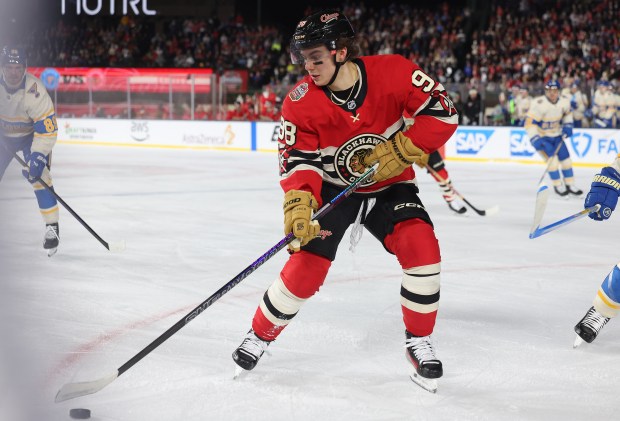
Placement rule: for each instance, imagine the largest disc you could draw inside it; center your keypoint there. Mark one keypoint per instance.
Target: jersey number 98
(287, 132)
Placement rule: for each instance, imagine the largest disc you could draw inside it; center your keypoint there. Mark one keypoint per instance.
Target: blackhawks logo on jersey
(347, 159)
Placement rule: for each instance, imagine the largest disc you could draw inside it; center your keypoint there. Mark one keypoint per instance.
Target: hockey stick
(550, 160)
(551, 227)
(114, 247)
(542, 197)
(74, 390)
(486, 212)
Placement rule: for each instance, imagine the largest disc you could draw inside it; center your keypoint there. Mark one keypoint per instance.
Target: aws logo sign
(520, 144)
(471, 141)
(581, 143)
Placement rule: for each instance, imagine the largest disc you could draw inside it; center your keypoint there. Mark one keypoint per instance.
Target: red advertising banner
(66, 79)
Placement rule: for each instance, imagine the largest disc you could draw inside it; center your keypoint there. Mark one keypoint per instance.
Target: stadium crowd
(489, 59)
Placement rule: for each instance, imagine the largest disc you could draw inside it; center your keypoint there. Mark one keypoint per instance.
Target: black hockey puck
(80, 413)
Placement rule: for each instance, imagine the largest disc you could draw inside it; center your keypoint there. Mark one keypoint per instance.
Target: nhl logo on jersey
(299, 91)
(347, 159)
(351, 105)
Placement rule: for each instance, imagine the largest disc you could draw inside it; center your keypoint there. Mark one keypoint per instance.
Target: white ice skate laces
(253, 345)
(50, 233)
(422, 348)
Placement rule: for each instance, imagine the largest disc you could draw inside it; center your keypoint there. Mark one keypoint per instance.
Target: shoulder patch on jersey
(299, 91)
(33, 90)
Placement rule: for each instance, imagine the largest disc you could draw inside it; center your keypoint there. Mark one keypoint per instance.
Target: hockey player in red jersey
(345, 115)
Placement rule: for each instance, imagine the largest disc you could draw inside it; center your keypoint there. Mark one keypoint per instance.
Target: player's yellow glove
(423, 161)
(298, 209)
(394, 156)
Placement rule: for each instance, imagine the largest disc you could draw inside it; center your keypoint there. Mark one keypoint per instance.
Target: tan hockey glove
(423, 161)
(298, 208)
(394, 156)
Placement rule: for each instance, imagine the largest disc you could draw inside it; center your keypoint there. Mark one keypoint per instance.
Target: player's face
(13, 73)
(319, 64)
(552, 94)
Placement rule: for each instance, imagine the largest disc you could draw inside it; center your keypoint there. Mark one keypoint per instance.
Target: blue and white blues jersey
(28, 111)
(546, 119)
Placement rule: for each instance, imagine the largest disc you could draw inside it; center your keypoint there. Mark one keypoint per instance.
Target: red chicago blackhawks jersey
(321, 137)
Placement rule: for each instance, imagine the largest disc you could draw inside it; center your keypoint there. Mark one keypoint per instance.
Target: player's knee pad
(304, 273)
(414, 243)
(279, 305)
(420, 288)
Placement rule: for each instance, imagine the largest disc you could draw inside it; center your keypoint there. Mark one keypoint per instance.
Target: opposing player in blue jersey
(28, 124)
(604, 192)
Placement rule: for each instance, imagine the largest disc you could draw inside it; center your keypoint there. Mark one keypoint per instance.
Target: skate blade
(430, 385)
(578, 341)
(51, 252)
(239, 372)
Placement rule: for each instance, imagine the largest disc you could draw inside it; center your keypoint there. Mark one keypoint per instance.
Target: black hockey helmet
(13, 55)
(321, 28)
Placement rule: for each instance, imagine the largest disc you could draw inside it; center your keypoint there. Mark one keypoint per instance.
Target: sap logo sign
(470, 142)
(520, 144)
(581, 143)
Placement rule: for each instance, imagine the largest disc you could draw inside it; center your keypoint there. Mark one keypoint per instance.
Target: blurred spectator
(458, 104)
(604, 106)
(472, 110)
(499, 115)
(267, 96)
(241, 110)
(203, 112)
(524, 100)
(100, 113)
(269, 112)
(578, 103)
(513, 99)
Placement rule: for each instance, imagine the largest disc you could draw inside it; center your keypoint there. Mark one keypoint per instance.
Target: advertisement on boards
(219, 135)
(586, 146)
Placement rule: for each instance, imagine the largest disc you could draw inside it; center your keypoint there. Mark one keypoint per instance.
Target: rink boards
(508, 144)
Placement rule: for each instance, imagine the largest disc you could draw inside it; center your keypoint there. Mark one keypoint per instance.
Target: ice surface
(192, 220)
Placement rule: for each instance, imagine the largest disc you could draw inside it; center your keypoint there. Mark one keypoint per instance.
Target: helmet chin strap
(338, 66)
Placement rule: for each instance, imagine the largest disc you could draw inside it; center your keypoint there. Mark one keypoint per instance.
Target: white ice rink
(192, 220)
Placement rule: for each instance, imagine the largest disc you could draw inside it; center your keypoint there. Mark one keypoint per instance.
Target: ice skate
(573, 191)
(246, 356)
(426, 367)
(589, 327)
(457, 205)
(561, 191)
(52, 239)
